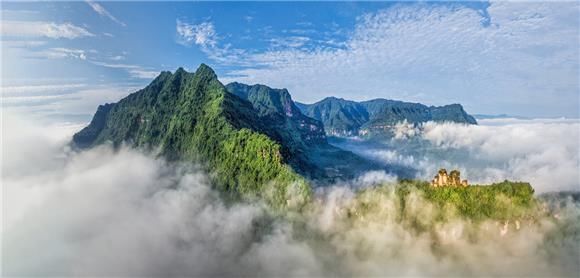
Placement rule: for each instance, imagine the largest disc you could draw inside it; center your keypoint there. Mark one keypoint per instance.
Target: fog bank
(124, 213)
(544, 152)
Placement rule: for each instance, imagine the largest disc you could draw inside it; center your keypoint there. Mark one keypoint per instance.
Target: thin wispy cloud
(44, 101)
(117, 58)
(43, 29)
(61, 52)
(8, 91)
(493, 58)
(205, 36)
(436, 54)
(202, 34)
(143, 73)
(57, 53)
(103, 12)
(133, 70)
(23, 43)
(289, 42)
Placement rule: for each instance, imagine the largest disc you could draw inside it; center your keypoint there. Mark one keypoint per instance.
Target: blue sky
(62, 59)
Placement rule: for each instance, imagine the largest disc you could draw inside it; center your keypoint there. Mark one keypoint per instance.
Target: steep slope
(277, 107)
(339, 116)
(191, 117)
(451, 113)
(255, 140)
(306, 135)
(265, 99)
(344, 118)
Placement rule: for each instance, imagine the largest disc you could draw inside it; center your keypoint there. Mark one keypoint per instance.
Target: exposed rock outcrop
(453, 179)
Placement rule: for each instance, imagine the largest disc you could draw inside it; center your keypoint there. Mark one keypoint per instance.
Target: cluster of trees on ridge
(258, 144)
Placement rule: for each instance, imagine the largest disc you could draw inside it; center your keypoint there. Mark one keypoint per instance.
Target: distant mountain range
(254, 139)
(342, 117)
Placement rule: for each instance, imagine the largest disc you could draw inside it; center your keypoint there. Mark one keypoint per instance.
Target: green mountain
(304, 136)
(339, 116)
(277, 107)
(344, 117)
(256, 142)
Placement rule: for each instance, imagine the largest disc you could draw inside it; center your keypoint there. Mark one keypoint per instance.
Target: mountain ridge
(343, 117)
(253, 146)
(191, 117)
(278, 108)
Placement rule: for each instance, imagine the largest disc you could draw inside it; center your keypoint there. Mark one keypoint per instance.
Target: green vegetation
(504, 200)
(304, 137)
(345, 117)
(285, 122)
(190, 117)
(257, 144)
(418, 200)
(337, 115)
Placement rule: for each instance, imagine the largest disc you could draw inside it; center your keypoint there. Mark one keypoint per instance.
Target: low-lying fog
(106, 213)
(544, 152)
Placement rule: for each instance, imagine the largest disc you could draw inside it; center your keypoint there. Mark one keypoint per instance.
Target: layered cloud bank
(543, 152)
(125, 213)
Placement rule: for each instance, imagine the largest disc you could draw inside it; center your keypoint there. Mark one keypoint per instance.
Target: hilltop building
(453, 179)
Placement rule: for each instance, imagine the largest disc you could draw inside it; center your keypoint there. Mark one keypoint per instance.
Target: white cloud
(33, 49)
(205, 36)
(74, 102)
(61, 52)
(43, 29)
(134, 70)
(289, 42)
(103, 12)
(143, 74)
(202, 34)
(544, 152)
(35, 89)
(523, 59)
(22, 44)
(117, 58)
(123, 213)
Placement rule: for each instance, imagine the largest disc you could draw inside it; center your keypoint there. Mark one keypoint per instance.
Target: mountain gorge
(253, 138)
(255, 143)
(347, 118)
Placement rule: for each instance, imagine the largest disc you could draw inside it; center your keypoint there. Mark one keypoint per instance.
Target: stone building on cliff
(453, 179)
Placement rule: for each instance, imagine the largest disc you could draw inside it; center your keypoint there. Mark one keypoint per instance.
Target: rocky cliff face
(277, 107)
(304, 135)
(89, 134)
(340, 117)
(191, 117)
(249, 138)
(344, 118)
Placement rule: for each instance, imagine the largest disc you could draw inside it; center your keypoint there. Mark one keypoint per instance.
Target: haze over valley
(340, 139)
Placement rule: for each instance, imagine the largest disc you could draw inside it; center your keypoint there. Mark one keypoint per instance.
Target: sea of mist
(544, 152)
(106, 212)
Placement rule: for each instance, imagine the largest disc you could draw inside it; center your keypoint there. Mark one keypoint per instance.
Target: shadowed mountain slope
(255, 140)
(344, 117)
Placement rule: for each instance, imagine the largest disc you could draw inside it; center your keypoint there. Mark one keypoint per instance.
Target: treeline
(502, 201)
